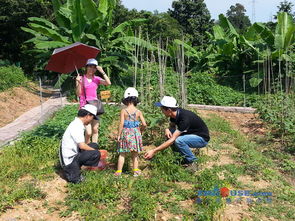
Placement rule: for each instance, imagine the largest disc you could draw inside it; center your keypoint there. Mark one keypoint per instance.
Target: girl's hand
(142, 128)
(118, 138)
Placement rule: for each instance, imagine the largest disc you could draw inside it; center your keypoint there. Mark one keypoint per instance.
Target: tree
(195, 19)
(236, 15)
(164, 26)
(286, 6)
(14, 14)
(157, 25)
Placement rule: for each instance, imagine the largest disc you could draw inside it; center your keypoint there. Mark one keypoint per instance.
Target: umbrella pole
(76, 70)
(77, 75)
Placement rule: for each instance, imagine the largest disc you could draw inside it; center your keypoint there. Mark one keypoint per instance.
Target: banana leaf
(90, 9)
(78, 21)
(284, 35)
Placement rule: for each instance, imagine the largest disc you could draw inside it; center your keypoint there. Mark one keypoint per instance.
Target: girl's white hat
(131, 92)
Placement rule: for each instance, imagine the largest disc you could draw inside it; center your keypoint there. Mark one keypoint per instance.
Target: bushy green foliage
(166, 165)
(11, 76)
(278, 110)
(56, 126)
(203, 89)
(14, 14)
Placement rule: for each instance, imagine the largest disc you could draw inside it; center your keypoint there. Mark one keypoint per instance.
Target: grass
(168, 188)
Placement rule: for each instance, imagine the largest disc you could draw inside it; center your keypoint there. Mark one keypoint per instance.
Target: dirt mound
(16, 101)
(246, 123)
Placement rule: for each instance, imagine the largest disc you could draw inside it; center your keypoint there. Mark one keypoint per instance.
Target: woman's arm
(106, 80)
(121, 124)
(78, 85)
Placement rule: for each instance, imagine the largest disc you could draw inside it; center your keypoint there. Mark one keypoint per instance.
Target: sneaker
(192, 167)
(81, 179)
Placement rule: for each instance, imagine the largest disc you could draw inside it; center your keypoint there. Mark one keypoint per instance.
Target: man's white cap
(167, 102)
(131, 92)
(91, 109)
(92, 61)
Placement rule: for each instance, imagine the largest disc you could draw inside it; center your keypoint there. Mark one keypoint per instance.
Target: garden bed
(165, 192)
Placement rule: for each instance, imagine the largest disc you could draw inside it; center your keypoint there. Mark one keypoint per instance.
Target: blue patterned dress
(131, 139)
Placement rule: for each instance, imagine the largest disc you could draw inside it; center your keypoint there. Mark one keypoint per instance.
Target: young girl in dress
(129, 138)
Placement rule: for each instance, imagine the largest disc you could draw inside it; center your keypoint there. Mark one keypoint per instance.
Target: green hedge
(11, 76)
(203, 89)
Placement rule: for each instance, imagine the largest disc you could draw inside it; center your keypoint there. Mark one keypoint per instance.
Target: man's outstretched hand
(149, 155)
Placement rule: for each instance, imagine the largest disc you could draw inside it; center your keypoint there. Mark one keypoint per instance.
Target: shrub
(279, 111)
(203, 89)
(11, 76)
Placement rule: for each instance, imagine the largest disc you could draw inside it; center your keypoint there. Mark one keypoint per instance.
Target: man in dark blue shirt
(187, 130)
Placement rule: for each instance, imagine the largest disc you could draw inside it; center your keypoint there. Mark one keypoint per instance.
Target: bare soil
(16, 101)
(245, 123)
(48, 208)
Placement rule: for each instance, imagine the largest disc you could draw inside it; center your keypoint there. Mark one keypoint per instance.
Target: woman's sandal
(118, 173)
(136, 172)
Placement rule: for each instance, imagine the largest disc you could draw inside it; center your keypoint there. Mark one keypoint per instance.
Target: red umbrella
(69, 58)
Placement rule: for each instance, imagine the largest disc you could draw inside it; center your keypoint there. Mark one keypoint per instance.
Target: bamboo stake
(141, 75)
(160, 71)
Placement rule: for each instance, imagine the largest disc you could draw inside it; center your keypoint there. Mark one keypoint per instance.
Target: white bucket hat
(167, 102)
(91, 109)
(131, 92)
(92, 61)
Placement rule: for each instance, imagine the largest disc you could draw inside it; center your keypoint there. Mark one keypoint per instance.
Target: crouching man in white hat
(187, 130)
(74, 152)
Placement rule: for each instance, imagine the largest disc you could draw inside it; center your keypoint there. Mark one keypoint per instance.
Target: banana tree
(274, 50)
(230, 54)
(88, 22)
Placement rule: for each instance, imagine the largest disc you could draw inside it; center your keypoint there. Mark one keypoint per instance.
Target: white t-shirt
(73, 135)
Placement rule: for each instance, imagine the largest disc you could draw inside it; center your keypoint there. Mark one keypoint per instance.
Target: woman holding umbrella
(86, 90)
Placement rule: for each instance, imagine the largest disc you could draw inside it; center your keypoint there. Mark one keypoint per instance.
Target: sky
(264, 9)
